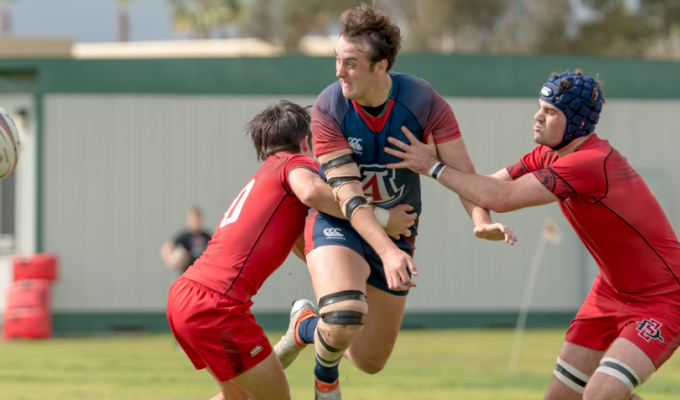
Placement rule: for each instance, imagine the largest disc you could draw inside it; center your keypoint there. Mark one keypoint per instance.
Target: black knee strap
(341, 296)
(338, 161)
(342, 317)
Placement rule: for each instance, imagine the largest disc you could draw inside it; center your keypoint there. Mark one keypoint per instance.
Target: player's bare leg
(230, 391)
(371, 350)
(627, 360)
(336, 268)
(336, 271)
(265, 381)
(577, 361)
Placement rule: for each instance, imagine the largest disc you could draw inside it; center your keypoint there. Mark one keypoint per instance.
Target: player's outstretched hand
(401, 218)
(397, 264)
(417, 156)
(495, 232)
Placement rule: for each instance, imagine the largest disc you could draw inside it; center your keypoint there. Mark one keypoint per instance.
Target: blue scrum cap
(579, 98)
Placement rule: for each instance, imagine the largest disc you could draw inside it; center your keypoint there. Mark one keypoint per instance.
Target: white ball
(9, 144)
(180, 256)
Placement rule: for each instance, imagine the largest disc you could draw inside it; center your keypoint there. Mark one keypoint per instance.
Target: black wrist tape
(437, 170)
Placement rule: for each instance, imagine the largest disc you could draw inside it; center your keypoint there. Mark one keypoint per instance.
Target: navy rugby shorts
(325, 230)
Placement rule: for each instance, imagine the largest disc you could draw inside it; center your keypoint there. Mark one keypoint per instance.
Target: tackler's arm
(315, 193)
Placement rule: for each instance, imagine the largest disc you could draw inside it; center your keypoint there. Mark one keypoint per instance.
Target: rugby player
(361, 294)
(629, 324)
(209, 306)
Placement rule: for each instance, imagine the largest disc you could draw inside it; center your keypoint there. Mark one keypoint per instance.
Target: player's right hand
(401, 218)
(495, 232)
(397, 264)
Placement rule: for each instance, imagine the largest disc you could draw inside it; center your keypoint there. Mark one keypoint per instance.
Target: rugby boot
(288, 348)
(326, 391)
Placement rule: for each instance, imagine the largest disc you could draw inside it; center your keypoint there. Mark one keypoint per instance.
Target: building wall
(121, 170)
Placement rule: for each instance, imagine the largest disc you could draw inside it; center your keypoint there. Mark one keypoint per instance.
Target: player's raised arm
(444, 139)
(489, 192)
(454, 153)
(502, 175)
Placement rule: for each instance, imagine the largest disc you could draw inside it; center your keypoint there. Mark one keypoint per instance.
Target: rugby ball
(9, 144)
(180, 256)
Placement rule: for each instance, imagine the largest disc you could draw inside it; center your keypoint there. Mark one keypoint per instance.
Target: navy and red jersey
(257, 233)
(340, 123)
(615, 214)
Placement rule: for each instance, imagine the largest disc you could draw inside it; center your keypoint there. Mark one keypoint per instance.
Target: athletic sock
(325, 374)
(306, 329)
(326, 387)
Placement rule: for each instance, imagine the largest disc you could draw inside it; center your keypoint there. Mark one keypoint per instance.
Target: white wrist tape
(382, 215)
(436, 170)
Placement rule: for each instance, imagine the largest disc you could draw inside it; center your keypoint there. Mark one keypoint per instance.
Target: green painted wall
(84, 323)
(451, 75)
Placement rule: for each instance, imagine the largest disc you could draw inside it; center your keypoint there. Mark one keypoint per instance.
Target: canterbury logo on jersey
(333, 233)
(378, 182)
(355, 145)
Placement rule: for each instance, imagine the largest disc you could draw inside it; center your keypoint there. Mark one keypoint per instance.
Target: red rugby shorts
(215, 331)
(651, 323)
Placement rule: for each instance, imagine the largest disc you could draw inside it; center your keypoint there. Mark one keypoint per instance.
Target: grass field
(432, 365)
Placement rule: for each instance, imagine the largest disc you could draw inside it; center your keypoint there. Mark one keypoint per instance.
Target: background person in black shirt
(188, 245)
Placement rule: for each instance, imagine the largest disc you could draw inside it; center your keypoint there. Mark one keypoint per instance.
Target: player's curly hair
(280, 127)
(364, 25)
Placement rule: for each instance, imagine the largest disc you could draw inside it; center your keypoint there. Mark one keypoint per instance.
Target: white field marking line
(526, 300)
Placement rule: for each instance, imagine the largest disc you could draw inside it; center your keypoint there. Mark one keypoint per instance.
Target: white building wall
(121, 171)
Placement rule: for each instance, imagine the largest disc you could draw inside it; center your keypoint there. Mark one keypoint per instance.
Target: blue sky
(90, 20)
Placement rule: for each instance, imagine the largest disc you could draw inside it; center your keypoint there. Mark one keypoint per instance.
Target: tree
(286, 22)
(446, 25)
(201, 17)
(664, 19)
(123, 20)
(617, 30)
(260, 19)
(534, 26)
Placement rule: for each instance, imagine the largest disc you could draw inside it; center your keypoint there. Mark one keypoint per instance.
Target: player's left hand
(401, 219)
(495, 232)
(417, 156)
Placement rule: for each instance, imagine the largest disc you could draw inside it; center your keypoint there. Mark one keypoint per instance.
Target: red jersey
(256, 233)
(614, 212)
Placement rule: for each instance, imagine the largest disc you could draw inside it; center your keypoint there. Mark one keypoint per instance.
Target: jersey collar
(377, 124)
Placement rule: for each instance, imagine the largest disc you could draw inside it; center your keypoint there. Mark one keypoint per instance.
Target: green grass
(443, 364)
